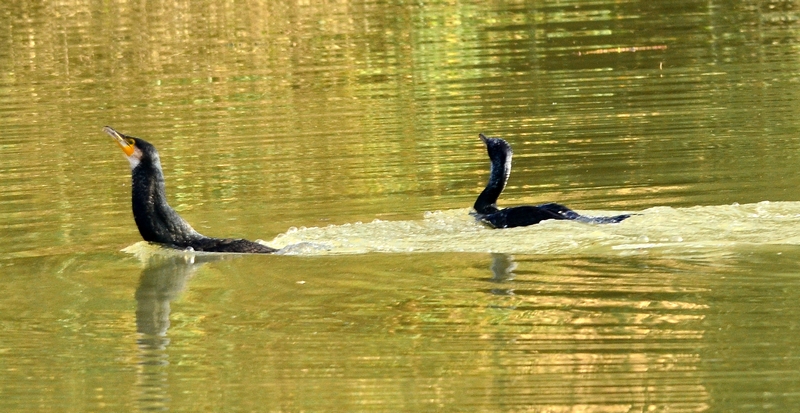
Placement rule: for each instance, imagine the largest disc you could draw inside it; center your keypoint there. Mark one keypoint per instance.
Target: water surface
(350, 129)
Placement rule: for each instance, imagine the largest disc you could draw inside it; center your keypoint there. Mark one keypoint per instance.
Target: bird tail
(567, 213)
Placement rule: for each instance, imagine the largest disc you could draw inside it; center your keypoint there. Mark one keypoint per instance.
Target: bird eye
(130, 141)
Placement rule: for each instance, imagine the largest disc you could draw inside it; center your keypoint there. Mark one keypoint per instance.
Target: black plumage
(156, 220)
(485, 206)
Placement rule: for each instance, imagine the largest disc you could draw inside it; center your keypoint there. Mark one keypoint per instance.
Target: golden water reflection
(296, 121)
(599, 340)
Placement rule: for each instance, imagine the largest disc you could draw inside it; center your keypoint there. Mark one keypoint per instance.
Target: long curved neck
(498, 176)
(156, 220)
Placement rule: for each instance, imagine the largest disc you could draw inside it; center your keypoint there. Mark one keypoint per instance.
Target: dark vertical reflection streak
(162, 280)
(503, 267)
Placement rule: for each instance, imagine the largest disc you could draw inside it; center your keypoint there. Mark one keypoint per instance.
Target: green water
(347, 132)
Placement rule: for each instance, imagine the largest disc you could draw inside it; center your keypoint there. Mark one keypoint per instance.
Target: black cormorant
(486, 205)
(156, 220)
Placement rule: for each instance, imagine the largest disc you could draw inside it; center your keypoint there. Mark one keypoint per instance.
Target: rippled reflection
(503, 267)
(162, 280)
(601, 326)
(346, 128)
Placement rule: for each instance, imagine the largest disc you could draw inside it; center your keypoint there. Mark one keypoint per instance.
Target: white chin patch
(134, 162)
(135, 158)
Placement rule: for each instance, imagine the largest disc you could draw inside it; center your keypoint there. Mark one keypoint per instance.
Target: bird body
(156, 220)
(486, 209)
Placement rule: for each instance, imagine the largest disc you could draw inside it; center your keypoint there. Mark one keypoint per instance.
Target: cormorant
(156, 220)
(486, 205)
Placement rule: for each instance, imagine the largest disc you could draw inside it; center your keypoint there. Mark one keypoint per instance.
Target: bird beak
(127, 147)
(480, 135)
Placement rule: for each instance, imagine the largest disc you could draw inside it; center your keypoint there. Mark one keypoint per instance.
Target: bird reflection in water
(162, 280)
(503, 266)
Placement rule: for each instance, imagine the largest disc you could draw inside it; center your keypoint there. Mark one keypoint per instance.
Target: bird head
(498, 149)
(134, 148)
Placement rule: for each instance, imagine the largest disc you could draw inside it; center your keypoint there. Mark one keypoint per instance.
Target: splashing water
(661, 229)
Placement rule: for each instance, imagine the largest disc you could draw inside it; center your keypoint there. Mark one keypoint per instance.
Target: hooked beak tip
(126, 147)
